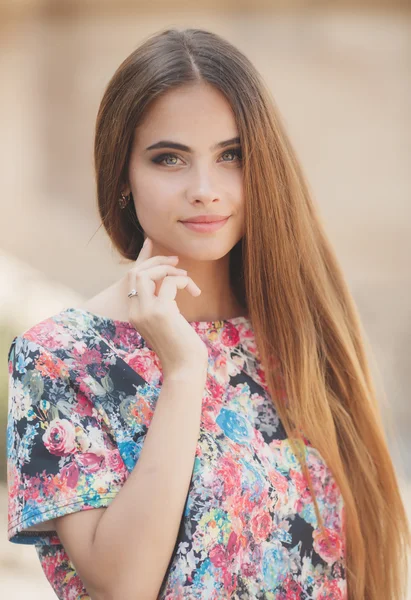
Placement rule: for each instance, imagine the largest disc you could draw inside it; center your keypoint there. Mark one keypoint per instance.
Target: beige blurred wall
(342, 82)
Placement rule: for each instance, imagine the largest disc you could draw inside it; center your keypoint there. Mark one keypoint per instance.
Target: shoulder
(57, 336)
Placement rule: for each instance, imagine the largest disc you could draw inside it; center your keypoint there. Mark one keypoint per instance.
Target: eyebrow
(184, 148)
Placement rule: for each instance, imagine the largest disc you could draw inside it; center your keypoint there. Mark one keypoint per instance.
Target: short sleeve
(61, 456)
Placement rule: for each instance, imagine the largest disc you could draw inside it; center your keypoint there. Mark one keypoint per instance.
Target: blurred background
(340, 74)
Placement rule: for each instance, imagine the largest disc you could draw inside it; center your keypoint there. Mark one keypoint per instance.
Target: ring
(132, 293)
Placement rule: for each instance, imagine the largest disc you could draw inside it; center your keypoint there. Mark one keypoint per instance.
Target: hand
(157, 317)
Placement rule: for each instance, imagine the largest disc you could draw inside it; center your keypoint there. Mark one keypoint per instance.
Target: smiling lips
(206, 223)
(206, 219)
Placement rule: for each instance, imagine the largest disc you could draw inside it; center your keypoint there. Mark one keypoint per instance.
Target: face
(201, 177)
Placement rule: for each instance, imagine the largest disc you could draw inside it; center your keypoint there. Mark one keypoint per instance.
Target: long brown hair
(301, 308)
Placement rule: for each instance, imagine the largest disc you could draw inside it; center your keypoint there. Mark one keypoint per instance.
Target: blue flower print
(235, 426)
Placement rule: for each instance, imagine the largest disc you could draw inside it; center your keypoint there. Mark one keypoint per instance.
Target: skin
(201, 181)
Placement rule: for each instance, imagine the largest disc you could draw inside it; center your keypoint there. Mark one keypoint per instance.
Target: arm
(123, 551)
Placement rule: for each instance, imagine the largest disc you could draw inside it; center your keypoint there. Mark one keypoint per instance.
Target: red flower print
(328, 545)
(47, 367)
(331, 590)
(291, 590)
(230, 336)
(59, 437)
(223, 558)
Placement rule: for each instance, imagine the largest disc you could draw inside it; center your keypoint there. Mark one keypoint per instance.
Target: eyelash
(159, 159)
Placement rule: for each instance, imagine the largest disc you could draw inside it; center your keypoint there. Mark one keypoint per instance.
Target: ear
(126, 190)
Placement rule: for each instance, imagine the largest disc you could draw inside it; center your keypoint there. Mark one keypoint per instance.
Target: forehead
(190, 114)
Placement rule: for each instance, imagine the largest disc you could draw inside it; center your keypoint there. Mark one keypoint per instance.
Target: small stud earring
(123, 201)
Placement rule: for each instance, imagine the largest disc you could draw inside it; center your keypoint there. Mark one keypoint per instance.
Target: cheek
(237, 187)
(149, 209)
(153, 197)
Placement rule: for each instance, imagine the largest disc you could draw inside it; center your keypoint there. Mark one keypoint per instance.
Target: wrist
(187, 374)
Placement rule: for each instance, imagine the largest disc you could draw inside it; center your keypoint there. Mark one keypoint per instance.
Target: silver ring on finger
(132, 293)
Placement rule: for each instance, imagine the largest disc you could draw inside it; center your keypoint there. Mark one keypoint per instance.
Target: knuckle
(138, 275)
(132, 273)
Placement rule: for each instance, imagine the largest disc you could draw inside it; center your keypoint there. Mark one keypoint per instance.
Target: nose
(201, 187)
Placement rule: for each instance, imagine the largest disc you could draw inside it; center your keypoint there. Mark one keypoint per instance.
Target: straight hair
(285, 272)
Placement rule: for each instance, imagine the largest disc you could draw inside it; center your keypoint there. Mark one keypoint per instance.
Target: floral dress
(82, 392)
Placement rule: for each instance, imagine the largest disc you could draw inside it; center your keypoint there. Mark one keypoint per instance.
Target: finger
(156, 260)
(159, 272)
(171, 284)
(144, 286)
(143, 281)
(145, 251)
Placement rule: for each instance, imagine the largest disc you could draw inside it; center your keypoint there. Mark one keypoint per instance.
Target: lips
(204, 227)
(206, 219)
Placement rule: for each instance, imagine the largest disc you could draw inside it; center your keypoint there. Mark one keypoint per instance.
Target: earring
(123, 201)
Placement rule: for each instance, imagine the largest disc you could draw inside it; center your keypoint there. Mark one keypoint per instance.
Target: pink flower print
(89, 356)
(331, 492)
(279, 482)
(221, 556)
(215, 389)
(114, 461)
(59, 437)
(90, 461)
(43, 333)
(251, 564)
(224, 557)
(229, 474)
(331, 590)
(84, 406)
(249, 569)
(301, 485)
(261, 525)
(70, 474)
(327, 545)
(142, 362)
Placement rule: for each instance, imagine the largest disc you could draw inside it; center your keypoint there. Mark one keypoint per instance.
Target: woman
(228, 438)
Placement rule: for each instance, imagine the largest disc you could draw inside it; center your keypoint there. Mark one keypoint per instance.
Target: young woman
(213, 407)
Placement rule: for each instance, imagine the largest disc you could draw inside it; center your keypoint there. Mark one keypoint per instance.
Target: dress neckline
(216, 324)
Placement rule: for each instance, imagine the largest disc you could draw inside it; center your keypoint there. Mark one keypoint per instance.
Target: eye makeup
(161, 157)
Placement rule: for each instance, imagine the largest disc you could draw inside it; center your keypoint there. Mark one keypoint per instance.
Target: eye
(162, 159)
(235, 152)
(158, 160)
